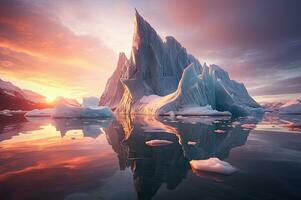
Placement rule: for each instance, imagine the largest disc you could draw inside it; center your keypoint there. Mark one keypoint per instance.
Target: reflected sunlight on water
(59, 158)
(110, 159)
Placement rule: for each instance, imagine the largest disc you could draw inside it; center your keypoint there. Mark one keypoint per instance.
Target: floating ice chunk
(47, 112)
(67, 111)
(219, 131)
(191, 143)
(155, 143)
(214, 165)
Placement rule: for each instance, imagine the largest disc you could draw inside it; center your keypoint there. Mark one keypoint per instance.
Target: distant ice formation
(47, 112)
(66, 110)
(291, 107)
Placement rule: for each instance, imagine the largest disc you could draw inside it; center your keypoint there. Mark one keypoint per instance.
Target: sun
(50, 99)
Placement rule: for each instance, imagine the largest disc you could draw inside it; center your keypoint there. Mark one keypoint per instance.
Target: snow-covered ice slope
(161, 77)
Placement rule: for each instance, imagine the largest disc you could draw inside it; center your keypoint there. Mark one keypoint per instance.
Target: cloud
(258, 42)
(286, 86)
(35, 46)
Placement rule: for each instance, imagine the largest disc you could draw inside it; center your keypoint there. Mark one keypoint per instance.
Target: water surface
(46, 159)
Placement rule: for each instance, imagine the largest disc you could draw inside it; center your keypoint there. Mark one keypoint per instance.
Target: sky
(70, 47)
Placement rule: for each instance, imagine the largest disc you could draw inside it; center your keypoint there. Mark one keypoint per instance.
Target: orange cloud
(38, 49)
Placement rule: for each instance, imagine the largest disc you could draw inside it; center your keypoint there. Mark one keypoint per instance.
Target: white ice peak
(166, 70)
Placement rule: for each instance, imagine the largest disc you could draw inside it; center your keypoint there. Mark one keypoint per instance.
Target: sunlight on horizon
(50, 92)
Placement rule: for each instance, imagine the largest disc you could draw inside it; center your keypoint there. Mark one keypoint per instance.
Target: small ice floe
(248, 126)
(219, 131)
(155, 143)
(191, 143)
(214, 165)
(180, 117)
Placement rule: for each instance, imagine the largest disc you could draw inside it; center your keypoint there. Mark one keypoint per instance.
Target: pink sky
(70, 48)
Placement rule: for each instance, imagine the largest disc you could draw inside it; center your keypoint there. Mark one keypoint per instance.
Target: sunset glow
(61, 49)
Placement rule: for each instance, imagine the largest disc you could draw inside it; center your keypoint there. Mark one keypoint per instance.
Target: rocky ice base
(160, 78)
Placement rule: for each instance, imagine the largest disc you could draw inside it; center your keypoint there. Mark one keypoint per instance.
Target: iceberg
(291, 107)
(213, 165)
(96, 112)
(47, 112)
(161, 78)
(64, 110)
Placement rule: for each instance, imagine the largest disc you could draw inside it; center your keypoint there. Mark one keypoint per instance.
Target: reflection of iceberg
(12, 127)
(90, 127)
(153, 166)
(208, 143)
(115, 134)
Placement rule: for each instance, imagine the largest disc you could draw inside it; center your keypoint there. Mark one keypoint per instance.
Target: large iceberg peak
(166, 71)
(143, 32)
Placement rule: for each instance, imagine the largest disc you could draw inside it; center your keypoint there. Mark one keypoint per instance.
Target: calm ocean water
(72, 159)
